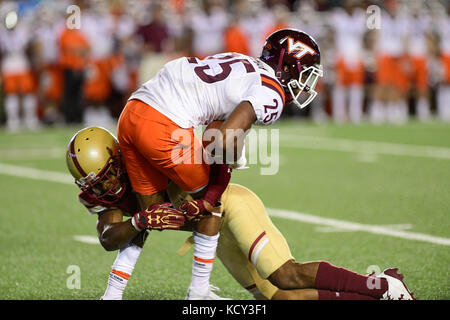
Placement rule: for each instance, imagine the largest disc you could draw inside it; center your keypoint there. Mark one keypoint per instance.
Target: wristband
(134, 224)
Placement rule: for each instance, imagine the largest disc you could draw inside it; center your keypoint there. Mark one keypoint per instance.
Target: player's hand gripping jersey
(193, 92)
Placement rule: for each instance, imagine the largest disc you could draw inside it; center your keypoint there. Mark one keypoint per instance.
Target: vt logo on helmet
(299, 49)
(295, 58)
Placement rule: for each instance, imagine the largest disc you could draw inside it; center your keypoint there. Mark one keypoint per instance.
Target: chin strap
(280, 64)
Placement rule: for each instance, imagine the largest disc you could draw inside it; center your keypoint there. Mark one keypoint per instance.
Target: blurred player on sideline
(18, 80)
(98, 28)
(418, 28)
(206, 26)
(442, 26)
(392, 67)
(349, 25)
(73, 59)
(50, 74)
(250, 246)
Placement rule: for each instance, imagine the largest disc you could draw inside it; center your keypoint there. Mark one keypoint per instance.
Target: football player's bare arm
(239, 121)
(113, 232)
(147, 200)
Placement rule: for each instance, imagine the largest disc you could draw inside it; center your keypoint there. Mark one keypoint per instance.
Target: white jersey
(208, 30)
(13, 44)
(392, 35)
(417, 30)
(442, 27)
(349, 31)
(193, 92)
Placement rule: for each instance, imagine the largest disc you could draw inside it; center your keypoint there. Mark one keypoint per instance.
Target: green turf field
(360, 196)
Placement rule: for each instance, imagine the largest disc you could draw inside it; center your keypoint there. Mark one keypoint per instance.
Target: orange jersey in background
(74, 49)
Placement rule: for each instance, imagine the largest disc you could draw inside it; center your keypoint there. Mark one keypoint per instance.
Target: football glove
(194, 209)
(159, 216)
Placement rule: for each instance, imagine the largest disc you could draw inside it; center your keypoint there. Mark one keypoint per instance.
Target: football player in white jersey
(418, 31)
(155, 129)
(391, 78)
(17, 77)
(442, 27)
(349, 25)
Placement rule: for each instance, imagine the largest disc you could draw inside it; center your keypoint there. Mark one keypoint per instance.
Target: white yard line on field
(354, 226)
(363, 146)
(31, 173)
(41, 153)
(390, 226)
(36, 174)
(86, 239)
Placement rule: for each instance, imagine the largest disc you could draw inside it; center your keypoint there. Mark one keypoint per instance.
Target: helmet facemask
(107, 186)
(302, 90)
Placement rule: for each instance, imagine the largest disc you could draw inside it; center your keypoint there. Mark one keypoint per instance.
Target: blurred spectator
(206, 26)
(235, 39)
(254, 20)
(125, 59)
(50, 74)
(281, 19)
(418, 29)
(86, 75)
(19, 85)
(443, 31)
(98, 26)
(74, 57)
(392, 67)
(349, 25)
(154, 35)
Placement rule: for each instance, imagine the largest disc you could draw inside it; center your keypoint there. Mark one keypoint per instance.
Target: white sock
(121, 271)
(356, 103)
(202, 264)
(403, 112)
(339, 110)
(443, 102)
(397, 112)
(423, 109)
(378, 112)
(30, 116)
(12, 112)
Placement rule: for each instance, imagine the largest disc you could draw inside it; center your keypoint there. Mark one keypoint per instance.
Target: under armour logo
(299, 48)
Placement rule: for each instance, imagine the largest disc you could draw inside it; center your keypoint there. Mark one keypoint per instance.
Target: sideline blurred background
(384, 61)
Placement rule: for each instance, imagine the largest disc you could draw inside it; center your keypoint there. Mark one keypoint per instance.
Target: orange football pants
(155, 149)
(347, 76)
(391, 72)
(19, 83)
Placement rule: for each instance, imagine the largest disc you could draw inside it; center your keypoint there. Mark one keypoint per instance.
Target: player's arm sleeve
(267, 103)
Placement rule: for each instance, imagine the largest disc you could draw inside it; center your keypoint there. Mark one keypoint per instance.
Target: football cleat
(194, 294)
(397, 289)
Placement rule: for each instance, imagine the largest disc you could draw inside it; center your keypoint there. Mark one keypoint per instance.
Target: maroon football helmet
(295, 58)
